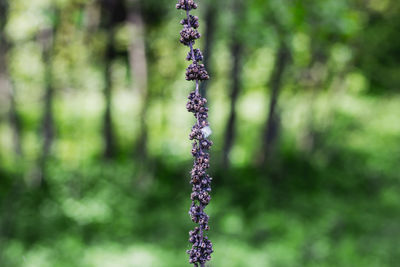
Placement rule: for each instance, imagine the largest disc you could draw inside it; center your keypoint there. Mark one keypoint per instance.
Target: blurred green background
(94, 153)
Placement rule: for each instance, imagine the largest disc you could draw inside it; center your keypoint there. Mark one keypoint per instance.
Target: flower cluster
(198, 56)
(193, 21)
(186, 5)
(196, 71)
(201, 182)
(189, 35)
(202, 252)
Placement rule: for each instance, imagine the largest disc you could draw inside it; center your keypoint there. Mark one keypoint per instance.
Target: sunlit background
(304, 106)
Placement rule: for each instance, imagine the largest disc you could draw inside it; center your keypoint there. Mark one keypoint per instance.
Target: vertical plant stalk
(201, 249)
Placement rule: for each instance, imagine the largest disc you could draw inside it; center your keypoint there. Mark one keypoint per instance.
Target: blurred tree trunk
(138, 67)
(47, 37)
(209, 33)
(273, 120)
(316, 75)
(317, 78)
(107, 20)
(48, 118)
(236, 53)
(15, 121)
(108, 133)
(8, 200)
(6, 85)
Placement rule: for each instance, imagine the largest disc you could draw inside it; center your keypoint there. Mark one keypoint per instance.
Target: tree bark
(318, 59)
(138, 67)
(46, 37)
(210, 27)
(108, 133)
(236, 51)
(6, 84)
(109, 17)
(275, 83)
(15, 122)
(47, 40)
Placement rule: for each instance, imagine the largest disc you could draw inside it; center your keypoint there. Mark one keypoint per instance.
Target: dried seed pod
(201, 182)
(198, 56)
(196, 72)
(188, 35)
(193, 21)
(186, 5)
